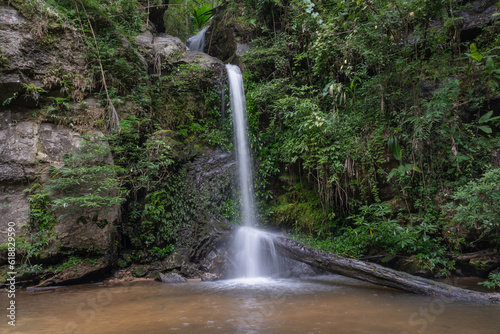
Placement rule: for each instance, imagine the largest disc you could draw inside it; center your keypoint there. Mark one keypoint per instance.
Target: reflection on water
(332, 304)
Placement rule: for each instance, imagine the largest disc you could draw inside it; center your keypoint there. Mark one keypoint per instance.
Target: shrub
(477, 205)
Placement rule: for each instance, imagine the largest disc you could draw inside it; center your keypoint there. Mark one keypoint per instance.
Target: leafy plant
(493, 281)
(40, 236)
(477, 206)
(201, 15)
(87, 180)
(163, 252)
(33, 92)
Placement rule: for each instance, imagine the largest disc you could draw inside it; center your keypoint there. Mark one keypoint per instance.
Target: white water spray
(255, 254)
(197, 42)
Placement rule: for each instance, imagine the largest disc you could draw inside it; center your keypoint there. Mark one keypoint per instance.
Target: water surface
(331, 304)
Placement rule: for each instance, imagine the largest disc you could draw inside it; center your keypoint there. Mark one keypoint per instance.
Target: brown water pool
(330, 304)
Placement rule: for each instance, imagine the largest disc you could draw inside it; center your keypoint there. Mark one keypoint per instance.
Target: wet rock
(241, 48)
(27, 150)
(84, 230)
(189, 271)
(18, 151)
(13, 208)
(172, 278)
(296, 269)
(222, 42)
(170, 49)
(209, 178)
(218, 262)
(209, 277)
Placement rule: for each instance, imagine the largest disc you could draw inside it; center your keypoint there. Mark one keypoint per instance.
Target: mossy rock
(155, 275)
(139, 271)
(174, 261)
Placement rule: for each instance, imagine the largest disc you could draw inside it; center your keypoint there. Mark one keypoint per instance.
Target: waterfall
(197, 42)
(238, 107)
(255, 255)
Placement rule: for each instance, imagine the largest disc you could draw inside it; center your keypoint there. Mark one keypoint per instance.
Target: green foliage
(4, 60)
(157, 221)
(493, 282)
(373, 229)
(163, 252)
(477, 206)
(184, 18)
(177, 19)
(395, 148)
(10, 99)
(201, 15)
(188, 97)
(41, 217)
(74, 262)
(33, 92)
(372, 105)
(300, 210)
(87, 181)
(40, 236)
(125, 73)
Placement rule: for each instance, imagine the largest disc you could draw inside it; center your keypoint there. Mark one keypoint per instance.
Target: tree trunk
(375, 273)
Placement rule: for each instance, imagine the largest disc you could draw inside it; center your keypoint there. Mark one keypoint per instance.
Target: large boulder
(172, 278)
(164, 48)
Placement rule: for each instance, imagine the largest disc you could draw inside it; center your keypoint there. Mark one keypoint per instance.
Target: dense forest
(374, 127)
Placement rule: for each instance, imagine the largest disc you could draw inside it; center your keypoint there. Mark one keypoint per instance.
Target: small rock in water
(172, 278)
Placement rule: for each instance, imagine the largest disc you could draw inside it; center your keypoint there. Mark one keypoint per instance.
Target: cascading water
(255, 255)
(197, 42)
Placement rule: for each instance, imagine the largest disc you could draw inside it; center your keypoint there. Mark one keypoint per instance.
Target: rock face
(222, 43)
(210, 178)
(478, 14)
(28, 62)
(32, 60)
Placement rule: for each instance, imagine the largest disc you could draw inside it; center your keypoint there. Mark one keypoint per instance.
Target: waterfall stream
(255, 255)
(197, 42)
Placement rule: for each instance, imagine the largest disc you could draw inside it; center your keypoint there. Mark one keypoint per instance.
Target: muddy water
(332, 304)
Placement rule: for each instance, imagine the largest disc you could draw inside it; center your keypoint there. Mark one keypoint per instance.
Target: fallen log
(375, 273)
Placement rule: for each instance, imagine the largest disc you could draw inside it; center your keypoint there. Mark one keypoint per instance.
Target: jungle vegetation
(387, 113)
